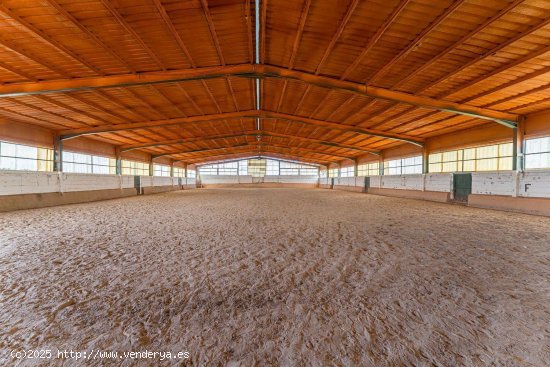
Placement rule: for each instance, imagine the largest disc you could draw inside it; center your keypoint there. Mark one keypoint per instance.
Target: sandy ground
(277, 277)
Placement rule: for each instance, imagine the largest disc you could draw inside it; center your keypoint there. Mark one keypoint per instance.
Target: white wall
(440, 182)
(292, 179)
(26, 182)
(150, 181)
(245, 179)
(403, 182)
(21, 182)
(524, 184)
(350, 181)
(493, 183)
(538, 184)
(325, 180)
(221, 179)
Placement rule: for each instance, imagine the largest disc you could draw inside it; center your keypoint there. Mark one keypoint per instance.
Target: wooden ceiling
(337, 78)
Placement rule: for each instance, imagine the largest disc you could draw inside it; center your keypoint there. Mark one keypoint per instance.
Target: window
(323, 173)
(537, 153)
(210, 169)
(257, 167)
(161, 170)
(369, 169)
(191, 173)
(289, 169)
(297, 169)
(243, 168)
(347, 172)
(309, 171)
(25, 158)
(272, 168)
(230, 169)
(135, 168)
(179, 172)
(404, 166)
(86, 163)
(333, 172)
(496, 157)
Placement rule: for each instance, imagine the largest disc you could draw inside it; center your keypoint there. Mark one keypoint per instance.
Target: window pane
(7, 149)
(469, 154)
(487, 152)
(487, 164)
(7, 163)
(23, 151)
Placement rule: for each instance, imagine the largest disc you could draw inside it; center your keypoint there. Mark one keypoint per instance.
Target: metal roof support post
(58, 154)
(425, 160)
(151, 171)
(118, 164)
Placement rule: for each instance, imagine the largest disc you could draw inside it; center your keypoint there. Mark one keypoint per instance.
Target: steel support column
(518, 147)
(381, 164)
(425, 160)
(58, 154)
(118, 164)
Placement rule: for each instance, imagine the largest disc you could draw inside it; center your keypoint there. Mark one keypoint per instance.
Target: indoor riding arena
(275, 183)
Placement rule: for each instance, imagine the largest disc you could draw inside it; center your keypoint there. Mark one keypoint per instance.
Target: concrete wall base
(441, 197)
(31, 201)
(349, 188)
(537, 206)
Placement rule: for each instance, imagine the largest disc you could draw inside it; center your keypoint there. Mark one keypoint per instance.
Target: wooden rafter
(124, 24)
(126, 148)
(89, 34)
(391, 95)
(464, 38)
(148, 124)
(168, 23)
(49, 40)
(212, 28)
(492, 52)
(418, 40)
(16, 71)
(249, 35)
(210, 158)
(71, 133)
(234, 134)
(306, 150)
(375, 38)
(34, 58)
(336, 36)
(263, 71)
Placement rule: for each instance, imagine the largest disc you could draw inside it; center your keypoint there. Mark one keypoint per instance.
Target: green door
(462, 186)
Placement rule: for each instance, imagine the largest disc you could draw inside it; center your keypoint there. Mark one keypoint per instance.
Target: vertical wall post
(58, 154)
(425, 160)
(118, 167)
(518, 147)
(171, 168)
(518, 158)
(381, 164)
(355, 167)
(151, 170)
